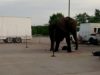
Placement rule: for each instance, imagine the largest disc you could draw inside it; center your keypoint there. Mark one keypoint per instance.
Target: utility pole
(69, 8)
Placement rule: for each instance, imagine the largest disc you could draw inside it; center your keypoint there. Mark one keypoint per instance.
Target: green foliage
(83, 18)
(43, 30)
(55, 18)
(97, 13)
(40, 30)
(96, 17)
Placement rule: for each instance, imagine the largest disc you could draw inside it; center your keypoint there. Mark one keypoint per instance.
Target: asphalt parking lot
(16, 59)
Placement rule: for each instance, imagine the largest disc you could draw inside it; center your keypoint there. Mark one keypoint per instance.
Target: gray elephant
(63, 28)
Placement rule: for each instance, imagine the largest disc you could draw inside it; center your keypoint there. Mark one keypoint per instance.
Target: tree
(97, 13)
(82, 18)
(54, 18)
(97, 16)
(40, 30)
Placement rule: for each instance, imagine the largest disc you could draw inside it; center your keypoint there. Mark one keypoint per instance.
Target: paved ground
(15, 59)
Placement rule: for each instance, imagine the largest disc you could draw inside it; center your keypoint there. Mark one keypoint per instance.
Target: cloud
(40, 10)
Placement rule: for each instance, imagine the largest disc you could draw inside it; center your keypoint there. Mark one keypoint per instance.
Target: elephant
(63, 28)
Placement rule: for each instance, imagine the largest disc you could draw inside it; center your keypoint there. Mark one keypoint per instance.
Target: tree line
(40, 30)
(81, 18)
(84, 17)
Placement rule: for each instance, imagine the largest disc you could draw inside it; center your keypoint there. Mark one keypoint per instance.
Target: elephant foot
(69, 51)
(56, 51)
(51, 49)
(76, 48)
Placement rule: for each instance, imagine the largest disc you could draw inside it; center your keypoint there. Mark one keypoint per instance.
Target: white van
(89, 32)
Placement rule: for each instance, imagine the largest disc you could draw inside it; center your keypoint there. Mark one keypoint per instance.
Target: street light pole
(69, 8)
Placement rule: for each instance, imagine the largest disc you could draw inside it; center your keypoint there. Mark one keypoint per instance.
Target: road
(16, 59)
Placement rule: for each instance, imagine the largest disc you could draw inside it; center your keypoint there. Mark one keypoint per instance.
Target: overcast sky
(40, 10)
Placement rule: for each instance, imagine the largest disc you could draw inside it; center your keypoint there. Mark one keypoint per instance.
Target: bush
(40, 30)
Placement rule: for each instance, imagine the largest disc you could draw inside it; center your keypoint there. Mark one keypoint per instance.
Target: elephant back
(70, 23)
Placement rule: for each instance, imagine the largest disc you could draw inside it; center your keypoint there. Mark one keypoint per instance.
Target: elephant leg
(52, 45)
(76, 41)
(68, 43)
(57, 45)
(52, 39)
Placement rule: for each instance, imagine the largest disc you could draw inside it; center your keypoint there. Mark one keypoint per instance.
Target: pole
(69, 8)
(26, 42)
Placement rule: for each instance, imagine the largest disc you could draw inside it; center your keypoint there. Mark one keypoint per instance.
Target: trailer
(15, 29)
(90, 32)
